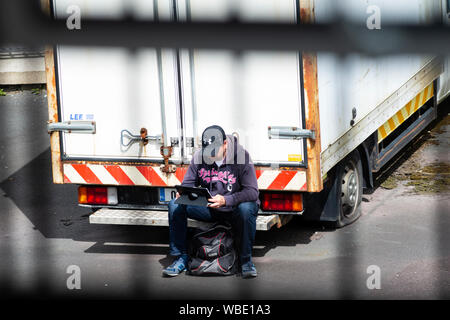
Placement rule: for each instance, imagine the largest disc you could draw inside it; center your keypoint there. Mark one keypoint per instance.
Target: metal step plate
(160, 218)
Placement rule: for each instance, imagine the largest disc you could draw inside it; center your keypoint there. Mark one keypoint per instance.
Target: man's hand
(217, 201)
(177, 195)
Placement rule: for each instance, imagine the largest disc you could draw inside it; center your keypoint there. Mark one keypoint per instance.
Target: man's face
(220, 153)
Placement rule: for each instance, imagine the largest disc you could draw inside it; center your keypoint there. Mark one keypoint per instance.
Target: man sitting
(226, 169)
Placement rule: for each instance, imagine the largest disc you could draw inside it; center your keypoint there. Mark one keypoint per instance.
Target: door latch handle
(134, 138)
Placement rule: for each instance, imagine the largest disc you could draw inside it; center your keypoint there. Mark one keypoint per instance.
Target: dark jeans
(242, 220)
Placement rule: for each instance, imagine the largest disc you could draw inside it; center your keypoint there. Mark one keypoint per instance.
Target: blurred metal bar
(20, 24)
(21, 52)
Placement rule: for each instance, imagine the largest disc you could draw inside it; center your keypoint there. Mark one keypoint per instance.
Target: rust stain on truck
(312, 118)
(57, 166)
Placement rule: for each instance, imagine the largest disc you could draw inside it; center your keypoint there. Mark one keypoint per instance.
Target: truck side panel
(351, 88)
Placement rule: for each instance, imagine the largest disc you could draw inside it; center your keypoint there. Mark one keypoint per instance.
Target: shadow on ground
(54, 212)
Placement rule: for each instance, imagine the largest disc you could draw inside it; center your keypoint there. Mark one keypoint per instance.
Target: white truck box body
(244, 94)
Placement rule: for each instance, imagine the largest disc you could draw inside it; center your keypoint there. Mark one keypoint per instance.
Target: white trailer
(125, 124)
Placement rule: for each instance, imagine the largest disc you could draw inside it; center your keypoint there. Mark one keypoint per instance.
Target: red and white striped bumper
(78, 173)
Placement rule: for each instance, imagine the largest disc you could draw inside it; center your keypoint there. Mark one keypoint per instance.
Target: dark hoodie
(235, 179)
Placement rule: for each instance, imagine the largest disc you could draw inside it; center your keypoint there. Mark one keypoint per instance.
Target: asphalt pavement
(398, 249)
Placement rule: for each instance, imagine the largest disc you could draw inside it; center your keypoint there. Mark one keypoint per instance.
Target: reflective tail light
(97, 195)
(282, 201)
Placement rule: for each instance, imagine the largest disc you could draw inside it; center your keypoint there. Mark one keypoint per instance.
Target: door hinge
(72, 126)
(290, 133)
(189, 142)
(174, 141)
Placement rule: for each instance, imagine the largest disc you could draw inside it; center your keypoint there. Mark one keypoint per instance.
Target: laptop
(193, 196)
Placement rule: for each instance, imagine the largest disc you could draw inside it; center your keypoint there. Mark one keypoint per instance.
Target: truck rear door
(120, 90)
(244, 92)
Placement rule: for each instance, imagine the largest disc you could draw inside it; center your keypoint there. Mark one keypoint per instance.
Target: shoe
(249, 270)
(178, 266)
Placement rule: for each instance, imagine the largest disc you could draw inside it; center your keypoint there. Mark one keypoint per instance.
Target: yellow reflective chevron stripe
(404, 113)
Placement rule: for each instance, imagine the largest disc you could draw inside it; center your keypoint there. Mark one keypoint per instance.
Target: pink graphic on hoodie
(225, 177)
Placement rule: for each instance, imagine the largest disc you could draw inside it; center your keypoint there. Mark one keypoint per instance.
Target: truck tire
(349, 189)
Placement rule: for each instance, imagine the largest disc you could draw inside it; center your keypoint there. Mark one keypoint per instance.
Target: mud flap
(323, 206)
